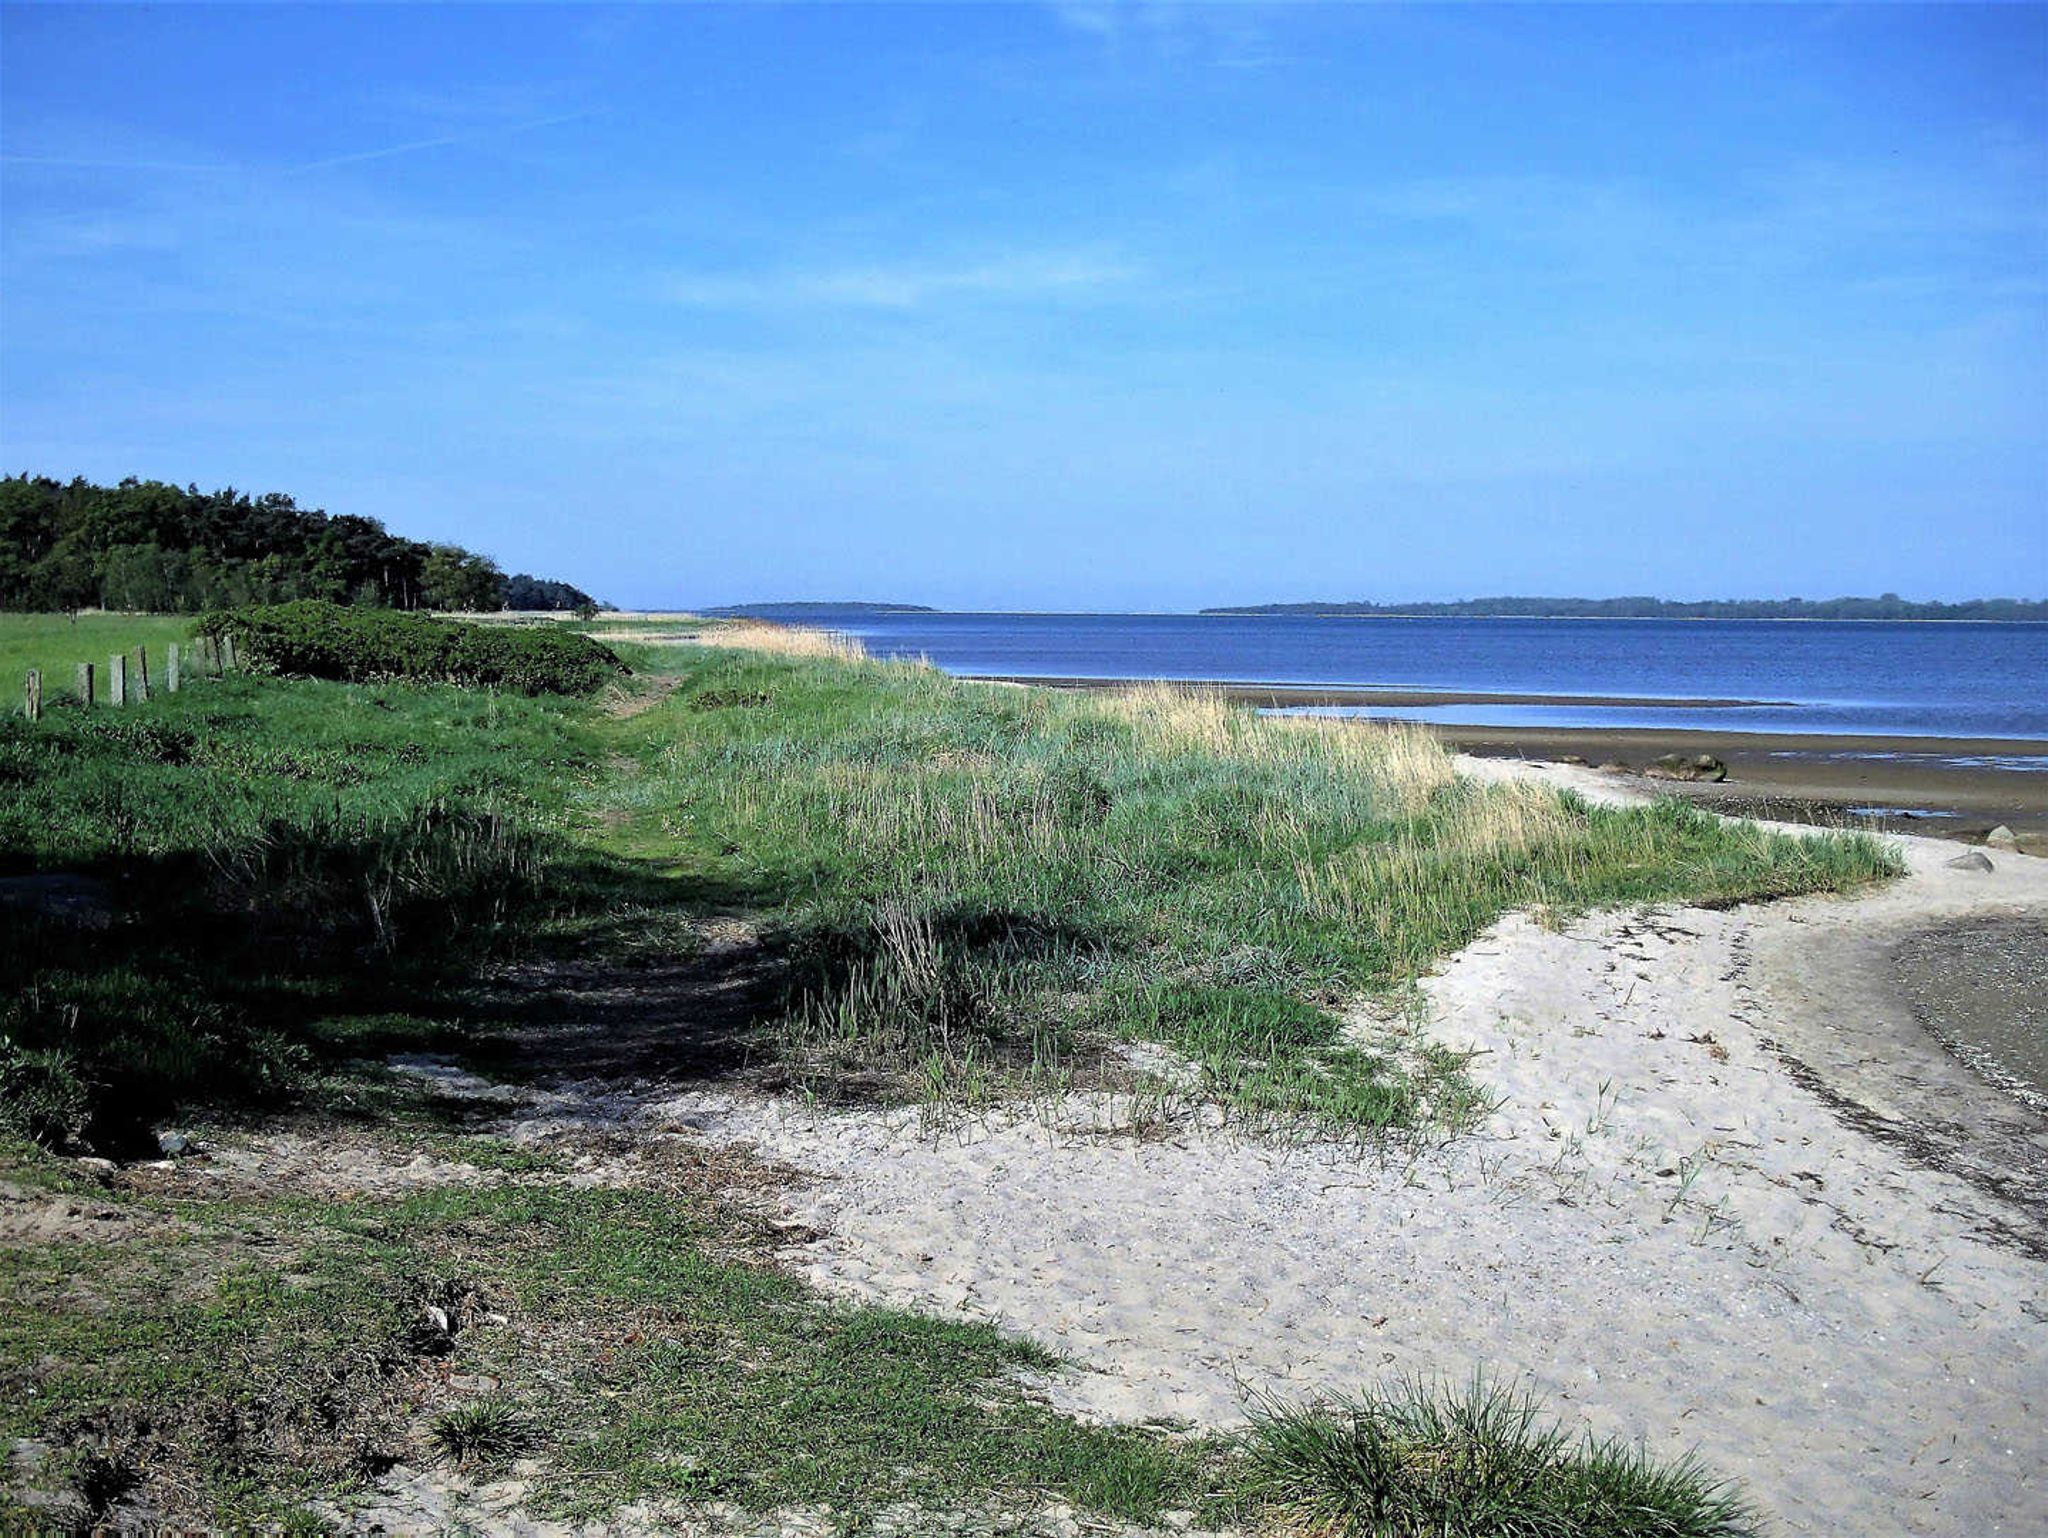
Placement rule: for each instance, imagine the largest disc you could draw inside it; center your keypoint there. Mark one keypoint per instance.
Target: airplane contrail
(352, 157)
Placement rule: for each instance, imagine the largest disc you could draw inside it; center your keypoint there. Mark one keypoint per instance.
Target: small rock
(173, 1144)
(2001, 837)
(431, 1334)
(1687, 766)
(96, 1166)
(1615, 766)
(1571, 758)
(1975, 859)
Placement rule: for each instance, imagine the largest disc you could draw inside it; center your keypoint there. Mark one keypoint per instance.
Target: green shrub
(314, 639)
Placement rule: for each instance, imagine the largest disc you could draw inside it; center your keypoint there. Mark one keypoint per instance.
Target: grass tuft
(482, 1432)
(1427, 1462)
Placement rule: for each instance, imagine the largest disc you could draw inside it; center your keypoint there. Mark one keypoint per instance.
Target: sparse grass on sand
(952, 891)
(239, 1358)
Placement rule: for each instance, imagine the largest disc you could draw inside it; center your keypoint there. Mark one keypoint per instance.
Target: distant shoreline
(826, 614)
(1633, 619)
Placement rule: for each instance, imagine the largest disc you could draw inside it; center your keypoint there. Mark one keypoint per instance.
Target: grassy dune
(945, 891)
(983, 885)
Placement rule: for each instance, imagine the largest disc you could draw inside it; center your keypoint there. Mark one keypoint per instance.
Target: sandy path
(1734, 1201)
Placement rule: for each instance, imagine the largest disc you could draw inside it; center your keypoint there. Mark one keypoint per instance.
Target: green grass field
(946, 891)
(57, 643)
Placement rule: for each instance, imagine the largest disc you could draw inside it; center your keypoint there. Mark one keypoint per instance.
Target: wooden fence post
(84, 684)
(142, 672)
(117, 679)
(32, 701)
(171, 660)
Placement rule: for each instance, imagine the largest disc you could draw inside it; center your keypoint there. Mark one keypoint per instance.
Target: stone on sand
(1975, 859)
(1687, 766)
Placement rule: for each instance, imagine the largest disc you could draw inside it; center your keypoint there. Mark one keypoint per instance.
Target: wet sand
(1940, 787)
(1981, 988)
(1945, 787)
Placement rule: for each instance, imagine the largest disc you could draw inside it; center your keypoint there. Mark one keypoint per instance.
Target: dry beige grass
(757, 635)
(1402, 761)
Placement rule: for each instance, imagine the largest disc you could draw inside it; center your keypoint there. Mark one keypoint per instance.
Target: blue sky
(1058, 306)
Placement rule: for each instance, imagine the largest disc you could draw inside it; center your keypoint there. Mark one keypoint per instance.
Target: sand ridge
(1697, 1217)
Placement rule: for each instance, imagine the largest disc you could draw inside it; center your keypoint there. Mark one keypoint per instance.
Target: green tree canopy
(151, 545)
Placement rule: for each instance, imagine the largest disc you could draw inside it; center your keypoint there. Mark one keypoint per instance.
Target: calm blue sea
(1934, 680)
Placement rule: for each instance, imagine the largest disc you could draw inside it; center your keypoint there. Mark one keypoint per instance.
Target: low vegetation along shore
(258, 1259)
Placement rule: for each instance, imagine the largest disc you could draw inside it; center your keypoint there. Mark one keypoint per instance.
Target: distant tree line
(149, 545)
(1890, 606)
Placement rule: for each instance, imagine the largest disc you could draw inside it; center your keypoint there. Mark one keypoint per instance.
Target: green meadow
(57, 643)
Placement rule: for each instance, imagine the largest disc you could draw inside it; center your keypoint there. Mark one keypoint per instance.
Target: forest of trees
(149, 545)
(1889, 606)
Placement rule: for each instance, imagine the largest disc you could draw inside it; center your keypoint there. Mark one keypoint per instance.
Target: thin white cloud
(1017, 277)
(348, 157)
(354, 157)
(89, 163)
(1223, 35)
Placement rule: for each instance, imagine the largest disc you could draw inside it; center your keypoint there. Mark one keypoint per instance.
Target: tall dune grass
(1074, 868)
(760, 635)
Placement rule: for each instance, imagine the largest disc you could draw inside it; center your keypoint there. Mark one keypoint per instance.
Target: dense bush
(315, 639)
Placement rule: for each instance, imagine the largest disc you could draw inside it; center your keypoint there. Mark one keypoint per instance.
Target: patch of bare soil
(30, 1217)
(622, 704)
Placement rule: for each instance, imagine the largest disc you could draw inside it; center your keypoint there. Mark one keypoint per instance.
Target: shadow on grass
(234, 982)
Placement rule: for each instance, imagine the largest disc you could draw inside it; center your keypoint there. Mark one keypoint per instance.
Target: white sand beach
(1734, 1200)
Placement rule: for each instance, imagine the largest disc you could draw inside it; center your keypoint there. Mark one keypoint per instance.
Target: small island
(800, 611)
